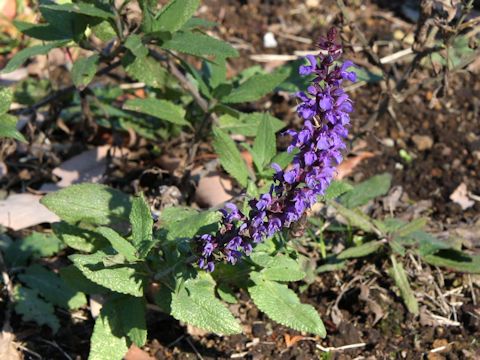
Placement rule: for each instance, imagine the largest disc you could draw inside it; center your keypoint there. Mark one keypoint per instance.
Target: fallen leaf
(135, 353)
(213, 190)
(19, 211)
(292, 340)
(8, 350)
(460, 197)
(350, 163)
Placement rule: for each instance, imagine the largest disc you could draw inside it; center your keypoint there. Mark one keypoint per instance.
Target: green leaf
(6, 97)
(411, 227)
(454, 260)
(226, 293)
(360, 250)
(52, 287)
(255, 87)
(195, 303)
(73, 277)
(35, 245)
(283, 306)
(135, 45)
(147, 70)
(33, 308)
(182, 224)
(103, 30)
(121, 245)
(248, 124)
(230, 157)
(8, 128)
(78, 238)
(84, 69)
(198, 44)
(81, 8)
(108, 341)
(19, 58)
(124, 279)
(264, 147)
(90, 203)
(142, 226)
(283, 268)
(354, 218)
(336, 189)
(400, 276)
(364, 192)
(44, 32)
(196, 22)
(428, 244)
(161, 109)
(131, 312)
(175, 14)
(333, 266)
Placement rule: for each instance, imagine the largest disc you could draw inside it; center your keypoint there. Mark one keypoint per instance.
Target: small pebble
(422, 142)
(269, 40)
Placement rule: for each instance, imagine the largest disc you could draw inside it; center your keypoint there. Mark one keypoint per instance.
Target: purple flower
(325, 107)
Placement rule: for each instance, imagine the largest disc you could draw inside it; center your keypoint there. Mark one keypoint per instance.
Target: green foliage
(33, 308)
(147, 70)
(20, 57)
(131, 313)
(8, 122)
(78, 238)
(264, 147)
(336, 189)
(282, 268)
(455, 260)
(174, 15)
(81, 8)
(360, 250)
(84, 69)
(118, 277)
(255, 87)
(198, 44)
(230, 157)
(142, 226)
(283, 306)
(161, 109)
(89, 203)
(121, 245)
(51, 287)
(362, 193)
(248, 124)
(400, 277)
(35, 245)
(195, 303)
(6, 97)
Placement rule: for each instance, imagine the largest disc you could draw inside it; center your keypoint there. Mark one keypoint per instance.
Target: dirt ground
(358, 305)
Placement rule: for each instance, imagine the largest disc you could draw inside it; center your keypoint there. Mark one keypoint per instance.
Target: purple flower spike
(325, 107)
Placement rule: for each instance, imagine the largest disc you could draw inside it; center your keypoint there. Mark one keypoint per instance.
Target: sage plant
(325, 109)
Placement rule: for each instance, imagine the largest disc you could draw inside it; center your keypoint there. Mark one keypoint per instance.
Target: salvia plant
(190, 263)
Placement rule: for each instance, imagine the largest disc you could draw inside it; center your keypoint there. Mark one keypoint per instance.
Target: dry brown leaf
(460, 197)
(135, 353)
(350, 163)
(292, 340)
(213, 190)
(19, 211)
(8, 350)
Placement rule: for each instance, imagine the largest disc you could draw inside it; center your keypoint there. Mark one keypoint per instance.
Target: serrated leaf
(195, 303)
(336, 189)
(142, 226)
(361, 250)
(282, 305)
(354, 218)
(411, 227)
(80, 8)
(188, 223)
(84, 69)
(283, 268)
(147, 70)
(427, 243)
(135, 45)
(226, 293)
(367, 190)
(198, 44)
(159, 108)
(264, 146)
(121, 278)
(52, 287)
(72, 276)
(108, 341)
(230, 157)
(35, 245)
(33, 308)
(90, 203)
(20, 57)
(131, 313)
(454, 260)
(121, 245)
(103, 30)
(400, 277)
(255, 87)
(78, 238)
(247, 124)
(8, 128)
(175, 14)
(6, 97)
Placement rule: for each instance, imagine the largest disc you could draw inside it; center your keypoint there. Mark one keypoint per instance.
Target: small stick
(341, 348)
